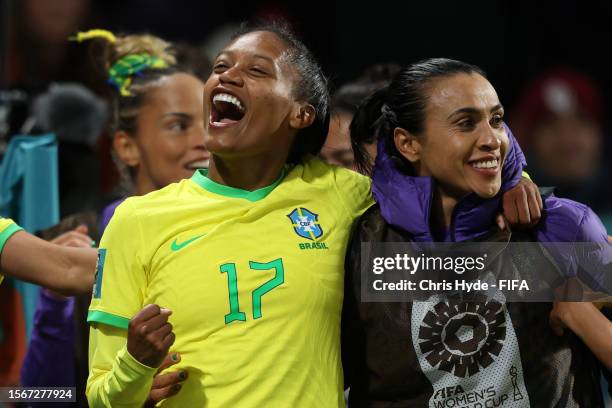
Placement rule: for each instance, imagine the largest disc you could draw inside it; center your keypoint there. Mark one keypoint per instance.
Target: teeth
(198, 165)
(486, 164)
(230, 99)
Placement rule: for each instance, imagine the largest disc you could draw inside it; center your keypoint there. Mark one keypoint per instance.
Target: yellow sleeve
(354, 191)
(524, 174)
(7, 229)
(121, 279)
(116, 379)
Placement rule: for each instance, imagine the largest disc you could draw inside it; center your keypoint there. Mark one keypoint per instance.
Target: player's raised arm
(26, 257)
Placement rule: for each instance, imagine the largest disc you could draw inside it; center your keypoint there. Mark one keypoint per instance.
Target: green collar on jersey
(200, 177)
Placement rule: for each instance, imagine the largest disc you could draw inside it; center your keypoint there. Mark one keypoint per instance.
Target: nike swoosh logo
(176, 246)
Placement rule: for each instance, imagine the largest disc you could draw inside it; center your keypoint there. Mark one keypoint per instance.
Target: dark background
(512, 40)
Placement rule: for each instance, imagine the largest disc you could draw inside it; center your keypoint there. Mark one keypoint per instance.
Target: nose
(231, 76)
(197, 136)
(490, 139)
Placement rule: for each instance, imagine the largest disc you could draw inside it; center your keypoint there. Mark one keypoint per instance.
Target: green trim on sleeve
(200, 177)
(107, 318)
(7, 233)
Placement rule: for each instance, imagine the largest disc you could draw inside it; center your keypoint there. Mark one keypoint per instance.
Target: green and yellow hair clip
(121, 73)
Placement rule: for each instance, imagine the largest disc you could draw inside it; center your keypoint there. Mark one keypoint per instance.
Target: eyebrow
(260, 56)
(270, 60)
(474, 111)
(182, 115)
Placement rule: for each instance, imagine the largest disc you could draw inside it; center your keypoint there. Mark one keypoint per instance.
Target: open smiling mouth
(489, 166)
(226, 110)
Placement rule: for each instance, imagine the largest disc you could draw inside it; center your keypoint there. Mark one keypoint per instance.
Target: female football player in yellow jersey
(249, 254)
(240, 268)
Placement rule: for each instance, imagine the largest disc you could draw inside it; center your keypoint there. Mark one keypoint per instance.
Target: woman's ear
(407, 144)
(302, 116)
(126, 148)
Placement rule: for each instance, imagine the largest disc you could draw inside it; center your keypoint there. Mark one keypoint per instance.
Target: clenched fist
(150, 335)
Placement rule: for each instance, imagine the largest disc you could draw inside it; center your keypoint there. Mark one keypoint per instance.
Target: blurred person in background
(561, 114)
(158, 133)
(113, 184)
(38, 56)
(560, 123)
(38, 51)
(337, 149)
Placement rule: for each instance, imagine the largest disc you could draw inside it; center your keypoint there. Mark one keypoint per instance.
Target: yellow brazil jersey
(254, 281)
(7, 229)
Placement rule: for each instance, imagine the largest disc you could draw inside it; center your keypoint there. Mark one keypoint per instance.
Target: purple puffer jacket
(394, 192)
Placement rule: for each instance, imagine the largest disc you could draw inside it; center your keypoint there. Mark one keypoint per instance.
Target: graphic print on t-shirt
(469, 353)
